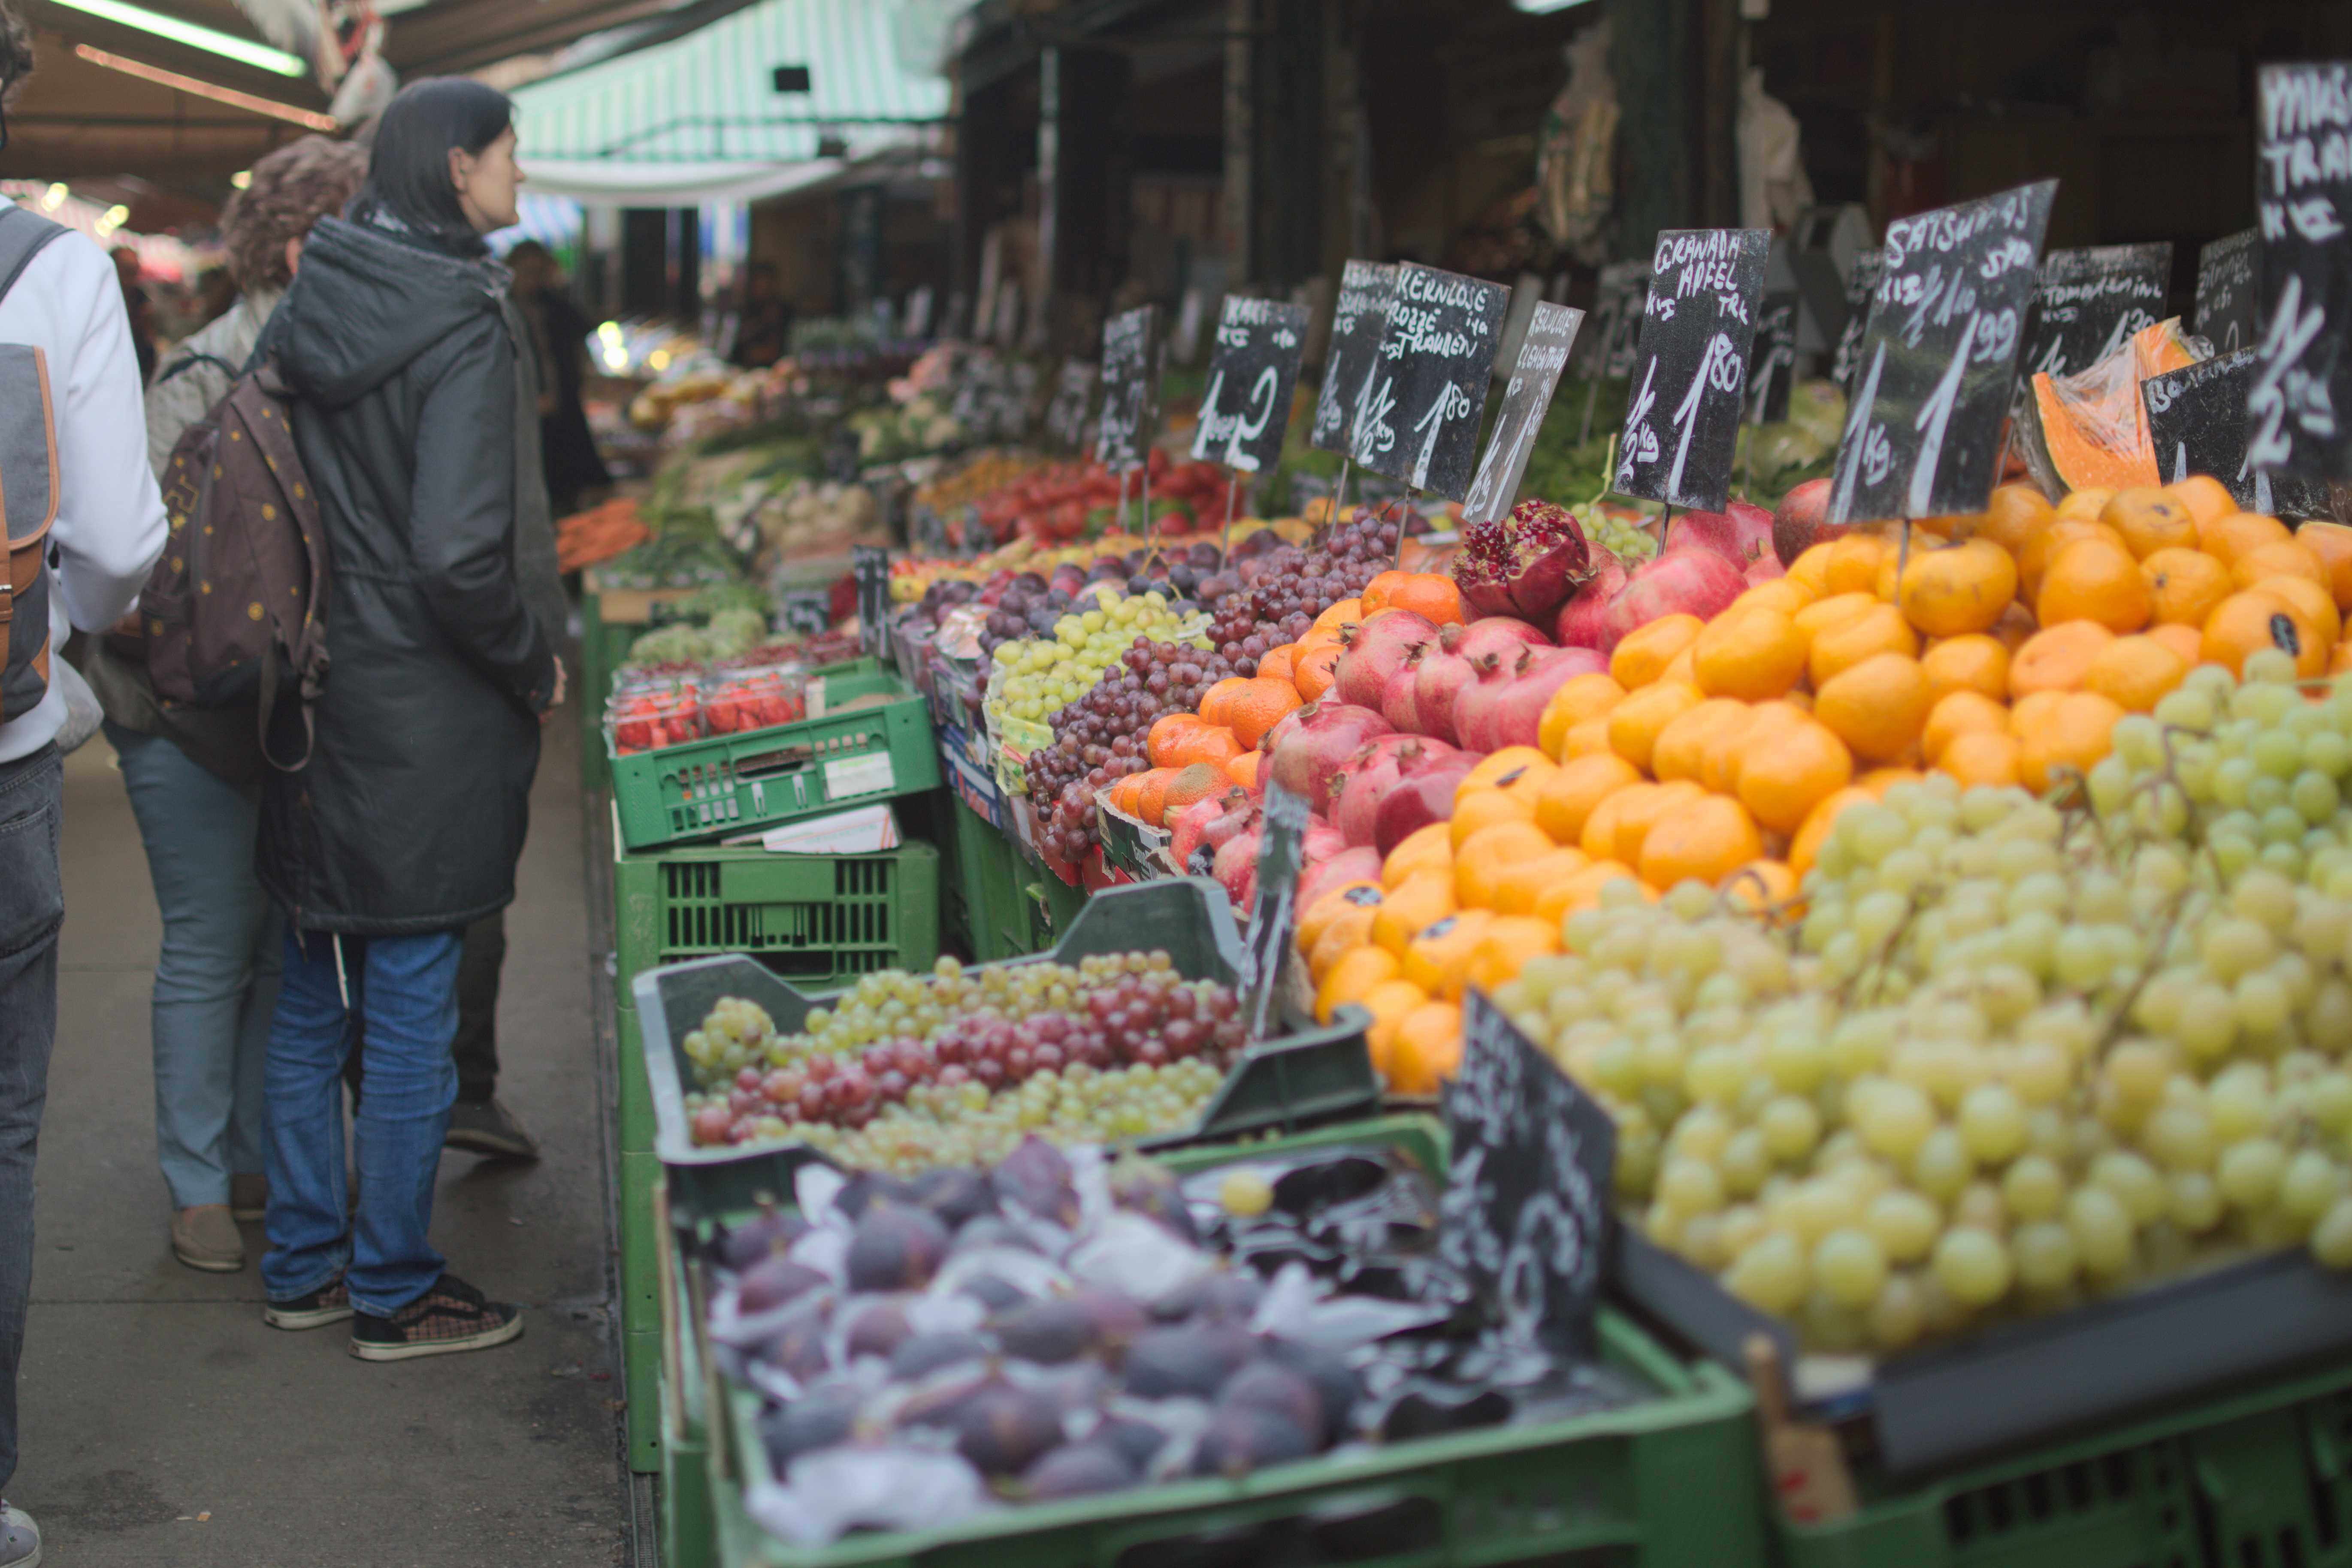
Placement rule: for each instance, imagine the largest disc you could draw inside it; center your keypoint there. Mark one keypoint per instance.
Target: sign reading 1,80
(1419, 419)
(1932, 381)
(1682, 423)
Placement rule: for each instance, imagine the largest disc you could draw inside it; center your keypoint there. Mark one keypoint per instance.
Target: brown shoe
(249, 1196)
(205, 1237)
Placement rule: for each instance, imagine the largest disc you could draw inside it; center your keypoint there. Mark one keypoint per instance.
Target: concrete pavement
(162, 1423)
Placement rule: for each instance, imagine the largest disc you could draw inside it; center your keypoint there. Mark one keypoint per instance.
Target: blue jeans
(216, 976)
(403, 993)
(32, 907)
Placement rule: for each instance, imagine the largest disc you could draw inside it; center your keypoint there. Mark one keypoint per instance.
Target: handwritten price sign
(2299, 411)
(1418, 421)
(1698, 327)
(1924, 432)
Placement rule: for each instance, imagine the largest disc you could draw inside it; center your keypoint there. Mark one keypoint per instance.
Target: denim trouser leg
(32, 906)
(403, 1010)
(216, 976)
(475, 1050)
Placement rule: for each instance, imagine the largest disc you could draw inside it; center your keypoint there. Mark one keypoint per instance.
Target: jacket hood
(365, 302)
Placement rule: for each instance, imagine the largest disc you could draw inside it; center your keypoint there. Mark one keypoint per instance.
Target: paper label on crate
(870, 774)
(1526, 1210)
(815, 693)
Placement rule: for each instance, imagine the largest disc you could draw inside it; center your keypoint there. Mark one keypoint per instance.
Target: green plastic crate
(819, 921)
(997, 915)
(2257, 1480)
(732, 783)
(641, 1385)
(1672, 1483)
(683, 1501)
(640, 1264)
(635, 1107)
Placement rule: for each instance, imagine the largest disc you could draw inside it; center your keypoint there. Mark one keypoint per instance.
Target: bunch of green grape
(1034, 677)
(966, 1126)
(1628, 540)
(2016, 1053)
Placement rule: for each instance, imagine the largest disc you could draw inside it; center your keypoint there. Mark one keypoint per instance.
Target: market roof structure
(781, 95)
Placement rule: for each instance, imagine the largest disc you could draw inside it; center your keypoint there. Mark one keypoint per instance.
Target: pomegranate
(1583, 621)
(1423, 795)
(1764, 568)
(1361, 864)
(1371, 773)
(1319, 842)
(1803, 521)
(1740, 534)
(1376, 650)
(1474, 709)
(1236, 866)
(1190, 824)
(1494, 633)
(1518, 711)
(1524, 564)
(1324, 736)
(1439, 676)
(1690, 582)
(1397, 704)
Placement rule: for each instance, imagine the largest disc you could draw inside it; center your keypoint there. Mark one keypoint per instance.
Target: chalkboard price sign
(2301, 403)
(1419, 421)
(1074, 394)
(2226, 306)
(1860, 288)
(1273, 919)
(1359, 320)
(870, 569)
(1131, 389)
(1682, 422)
(1543, 352)
(1253, 371)
(1606, 351)
(2090, 302)
(2196, 420)
(1526, 1210)
(1922, 434)
(1772, 359)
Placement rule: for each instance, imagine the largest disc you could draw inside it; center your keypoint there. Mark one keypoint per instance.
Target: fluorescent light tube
(195, 35)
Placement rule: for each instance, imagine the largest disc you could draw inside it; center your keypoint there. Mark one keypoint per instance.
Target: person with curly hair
(194, 774)
(106, 527)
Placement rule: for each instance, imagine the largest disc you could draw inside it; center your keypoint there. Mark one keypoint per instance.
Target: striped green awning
(710, 98)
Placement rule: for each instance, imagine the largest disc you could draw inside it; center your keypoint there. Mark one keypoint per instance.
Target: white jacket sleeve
(110, 526)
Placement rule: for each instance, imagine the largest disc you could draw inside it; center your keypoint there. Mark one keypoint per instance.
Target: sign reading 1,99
(1682, 414)
(1418, 423)
(1923, 435)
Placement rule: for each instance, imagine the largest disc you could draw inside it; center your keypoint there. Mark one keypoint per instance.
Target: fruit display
(1061, 1326)
(1065, 501)
(650, 709)
(727, 633)
(1035, 677)
(905, 1073)
(2013, 1054)
(753, 693)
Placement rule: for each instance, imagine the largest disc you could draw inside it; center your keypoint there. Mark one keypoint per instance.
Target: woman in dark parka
(416, 419)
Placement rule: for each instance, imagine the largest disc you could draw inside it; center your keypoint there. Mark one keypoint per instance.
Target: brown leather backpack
(236, 605)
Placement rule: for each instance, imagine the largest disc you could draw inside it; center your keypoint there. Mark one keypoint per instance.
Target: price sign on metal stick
(2090, 302)
(1682, 419)
(2196, 420)
(2300, 407)
(1526, 397)
(1526, 1210)
(1922, 434)
(1772, 359)
(1074, 394)
(1273, 919)
(1131, 389)
(2226, 288)
(1859, 290)
(1359, 321)
(1252, 370)
(1419, 420)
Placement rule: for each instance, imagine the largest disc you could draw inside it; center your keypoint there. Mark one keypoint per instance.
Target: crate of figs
(1130, 1029)
(1259, 1355)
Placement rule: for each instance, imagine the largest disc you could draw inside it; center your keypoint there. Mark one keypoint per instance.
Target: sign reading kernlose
(2299, 412)
(1682, 418)
(1419, 420)
(1923, 435)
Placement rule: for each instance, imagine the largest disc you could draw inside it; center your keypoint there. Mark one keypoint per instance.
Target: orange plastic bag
(2093, 425)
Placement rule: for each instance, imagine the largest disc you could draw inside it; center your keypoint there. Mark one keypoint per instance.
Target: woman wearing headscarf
(417, 423)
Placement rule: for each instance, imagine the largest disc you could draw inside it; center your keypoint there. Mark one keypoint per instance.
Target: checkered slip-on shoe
(450, 1318)
(330, 1303)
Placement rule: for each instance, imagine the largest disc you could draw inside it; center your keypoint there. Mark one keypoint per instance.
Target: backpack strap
(22, 236)
(266, 414)
(192, 359)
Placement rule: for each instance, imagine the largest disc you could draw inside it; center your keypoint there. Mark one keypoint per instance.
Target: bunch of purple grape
(1099, 738)
(1292, 587)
